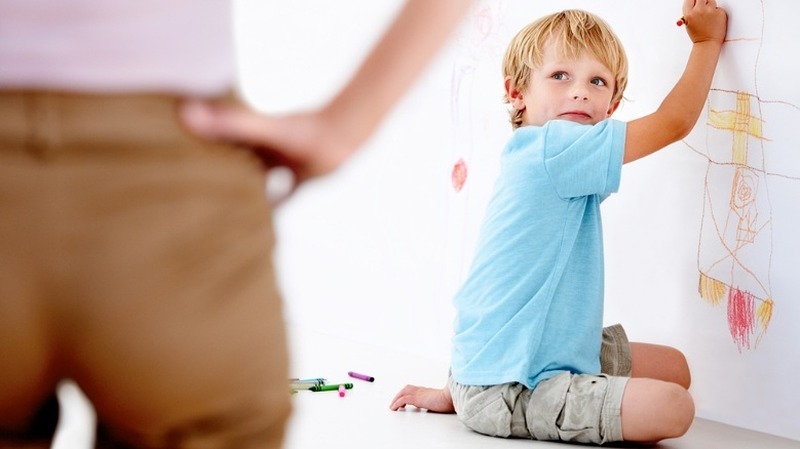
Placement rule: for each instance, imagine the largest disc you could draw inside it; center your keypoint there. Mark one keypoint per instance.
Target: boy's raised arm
(678, 113)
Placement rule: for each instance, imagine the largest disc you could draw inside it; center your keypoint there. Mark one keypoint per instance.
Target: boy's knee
(653, 410)
(683, 375)
(660, 362)
(682, 411)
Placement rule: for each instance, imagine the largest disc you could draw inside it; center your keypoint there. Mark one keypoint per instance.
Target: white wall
(376, 250)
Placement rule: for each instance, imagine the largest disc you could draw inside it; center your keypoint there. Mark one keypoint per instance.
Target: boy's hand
(678, 113)
(705, 21)
(433, 399)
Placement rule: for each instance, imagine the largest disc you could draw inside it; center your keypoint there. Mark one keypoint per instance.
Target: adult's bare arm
(314, 143)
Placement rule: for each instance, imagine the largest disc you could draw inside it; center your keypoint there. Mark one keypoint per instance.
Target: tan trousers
(135, 260)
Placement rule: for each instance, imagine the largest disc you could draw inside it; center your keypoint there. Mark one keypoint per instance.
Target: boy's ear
(514, 95)
(613, 107)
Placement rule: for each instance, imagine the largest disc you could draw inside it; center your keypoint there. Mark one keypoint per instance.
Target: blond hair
(574, 31)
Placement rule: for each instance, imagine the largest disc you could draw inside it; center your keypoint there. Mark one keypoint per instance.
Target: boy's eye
(559, 76)
(599, 82)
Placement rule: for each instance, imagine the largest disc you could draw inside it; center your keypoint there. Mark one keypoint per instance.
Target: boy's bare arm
(678, 113)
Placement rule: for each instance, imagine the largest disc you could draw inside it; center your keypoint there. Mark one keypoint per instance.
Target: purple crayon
(361, 376)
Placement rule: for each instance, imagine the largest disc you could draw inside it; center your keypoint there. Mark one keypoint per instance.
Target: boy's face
(579, 90)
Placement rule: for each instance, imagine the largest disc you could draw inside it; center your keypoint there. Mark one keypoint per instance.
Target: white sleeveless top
(173, 46)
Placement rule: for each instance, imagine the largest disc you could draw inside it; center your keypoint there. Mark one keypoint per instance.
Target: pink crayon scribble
(484, 22)
(459, 175)
(741, 314)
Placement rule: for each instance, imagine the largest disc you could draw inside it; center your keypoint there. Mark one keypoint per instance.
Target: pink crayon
(342, 389)
(361, 376)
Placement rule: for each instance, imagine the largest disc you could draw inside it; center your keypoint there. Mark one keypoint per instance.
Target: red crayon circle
(459, 175)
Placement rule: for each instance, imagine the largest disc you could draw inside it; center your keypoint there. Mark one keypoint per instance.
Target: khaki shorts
(136, 260)
(577, 408)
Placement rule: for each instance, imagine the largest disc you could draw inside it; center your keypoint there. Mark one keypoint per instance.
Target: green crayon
(330, 387)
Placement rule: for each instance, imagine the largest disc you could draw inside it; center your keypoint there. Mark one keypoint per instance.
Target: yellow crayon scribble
(711, 290)
(741, 123)
(764, 313)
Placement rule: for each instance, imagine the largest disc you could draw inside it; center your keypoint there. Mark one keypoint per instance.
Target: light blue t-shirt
(532, 304)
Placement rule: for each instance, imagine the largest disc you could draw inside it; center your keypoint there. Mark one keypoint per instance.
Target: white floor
(362, 418)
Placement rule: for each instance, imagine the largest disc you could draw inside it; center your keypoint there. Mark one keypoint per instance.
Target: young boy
(530, 357)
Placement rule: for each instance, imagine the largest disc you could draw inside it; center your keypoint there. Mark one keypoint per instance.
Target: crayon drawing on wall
(735, 250)
(476, 110)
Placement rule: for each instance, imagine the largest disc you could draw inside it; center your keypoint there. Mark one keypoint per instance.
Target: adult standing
(135, 254)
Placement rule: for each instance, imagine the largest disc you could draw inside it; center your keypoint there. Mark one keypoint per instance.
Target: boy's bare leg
(653, 410)
(660, 362)
(656, 404)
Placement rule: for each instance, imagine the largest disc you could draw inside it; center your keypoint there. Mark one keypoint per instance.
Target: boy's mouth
(576, 116)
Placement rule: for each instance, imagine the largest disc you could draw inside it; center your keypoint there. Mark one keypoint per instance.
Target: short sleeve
(584, 160)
